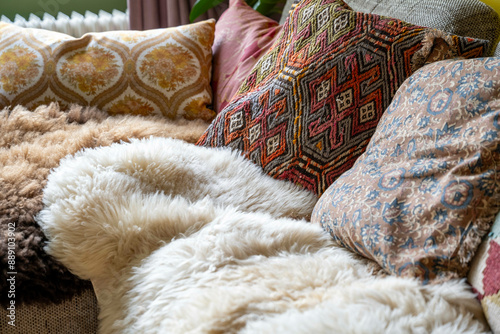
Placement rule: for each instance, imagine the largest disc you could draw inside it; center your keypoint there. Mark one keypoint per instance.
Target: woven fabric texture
(162, 71)
(76, 316)
(309, 107)
(426, 190)
(286, 10)
(484, 276)
(470, 18)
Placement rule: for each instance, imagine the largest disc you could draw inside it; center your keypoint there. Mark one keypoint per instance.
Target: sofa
(327, 275)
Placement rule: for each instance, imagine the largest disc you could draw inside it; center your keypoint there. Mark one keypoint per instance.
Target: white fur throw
(183, 239)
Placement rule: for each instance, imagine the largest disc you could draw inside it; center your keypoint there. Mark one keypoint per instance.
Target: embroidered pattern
(322, 88)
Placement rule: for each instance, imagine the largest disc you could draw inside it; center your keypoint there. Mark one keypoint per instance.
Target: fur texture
(31, 144)
(186, 239)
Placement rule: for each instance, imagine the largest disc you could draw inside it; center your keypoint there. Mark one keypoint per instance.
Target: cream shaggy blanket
(183, 239)
(31, 144)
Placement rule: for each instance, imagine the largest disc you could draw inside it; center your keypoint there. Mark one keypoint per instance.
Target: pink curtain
(152, 14)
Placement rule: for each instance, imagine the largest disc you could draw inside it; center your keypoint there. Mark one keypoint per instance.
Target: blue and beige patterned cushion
(426, 190)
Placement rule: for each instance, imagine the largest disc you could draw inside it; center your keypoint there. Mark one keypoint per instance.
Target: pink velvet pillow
(242, 36)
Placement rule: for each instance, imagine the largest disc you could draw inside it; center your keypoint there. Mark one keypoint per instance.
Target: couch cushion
(309, 107)
(426, 190)
(162, 71)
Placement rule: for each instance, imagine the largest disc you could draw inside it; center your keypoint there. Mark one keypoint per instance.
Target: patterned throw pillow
(470, 18)
(484, 276)
(311, 104)
(242, 36)
(426, 190)
(163, 71)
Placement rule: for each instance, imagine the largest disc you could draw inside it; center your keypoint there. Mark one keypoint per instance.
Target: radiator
(75, 25)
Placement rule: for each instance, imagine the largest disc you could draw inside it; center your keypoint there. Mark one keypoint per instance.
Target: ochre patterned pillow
(484, 276)
(163, 71)
(426, 190)
(311, 104)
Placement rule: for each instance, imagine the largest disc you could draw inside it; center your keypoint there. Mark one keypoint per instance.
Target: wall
(10, 8)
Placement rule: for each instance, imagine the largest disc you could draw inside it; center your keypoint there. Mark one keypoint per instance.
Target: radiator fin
(75, 25)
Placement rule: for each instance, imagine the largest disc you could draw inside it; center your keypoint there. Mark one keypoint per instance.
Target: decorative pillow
(286, 10)
(163, 71)
(484, 276)
(311, 104)
(493, 4)
(470, 18)
(242, 36)
(426, 190)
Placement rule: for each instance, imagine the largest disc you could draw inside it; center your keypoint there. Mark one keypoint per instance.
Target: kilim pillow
(484, 276)
(470, 18)
(242, 36)
(426, 190)
(163, 71)
(311, 104)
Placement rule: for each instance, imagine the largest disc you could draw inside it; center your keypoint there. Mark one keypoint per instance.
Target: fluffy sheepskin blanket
(183, 239)
(31, 144)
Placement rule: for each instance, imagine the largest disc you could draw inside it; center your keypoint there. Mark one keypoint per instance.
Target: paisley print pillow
(162, 71)
(426, 190)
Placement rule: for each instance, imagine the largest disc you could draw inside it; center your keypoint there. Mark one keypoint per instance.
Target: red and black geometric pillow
(311, 104)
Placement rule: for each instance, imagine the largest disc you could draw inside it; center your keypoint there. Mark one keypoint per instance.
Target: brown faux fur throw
(31, 144)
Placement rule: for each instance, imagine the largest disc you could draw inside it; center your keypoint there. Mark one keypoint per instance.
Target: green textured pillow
(470, 18)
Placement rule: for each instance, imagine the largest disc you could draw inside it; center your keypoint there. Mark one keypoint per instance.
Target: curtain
(153, 14)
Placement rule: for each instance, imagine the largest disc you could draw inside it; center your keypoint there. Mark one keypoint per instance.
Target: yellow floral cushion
(162, 71)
